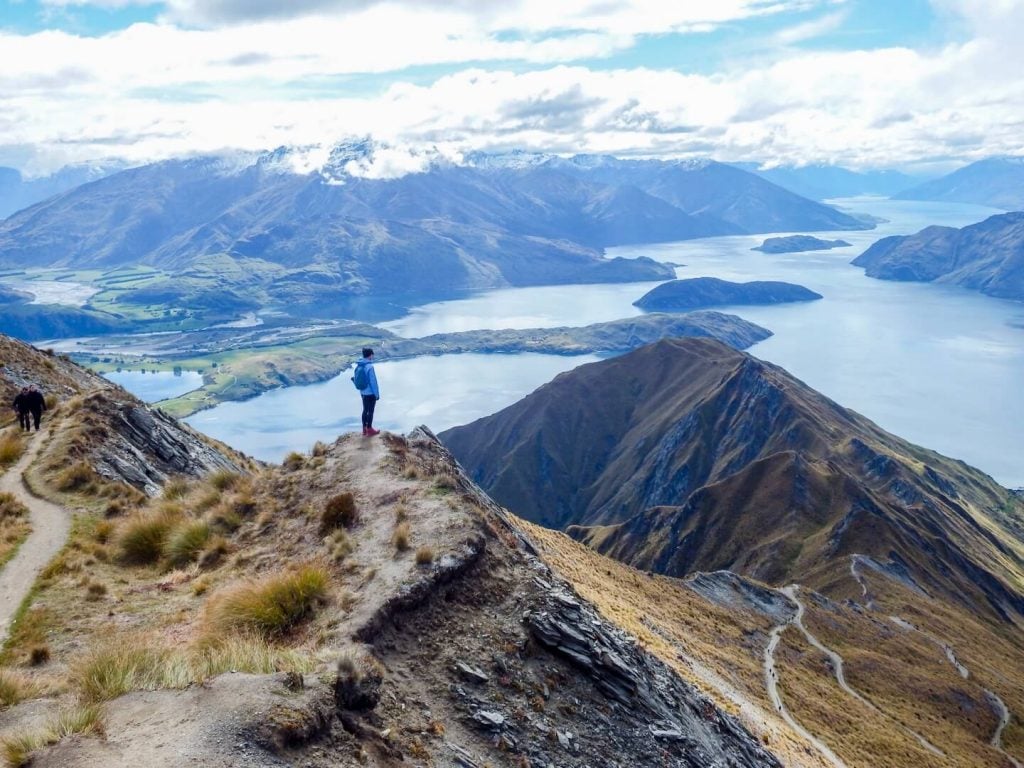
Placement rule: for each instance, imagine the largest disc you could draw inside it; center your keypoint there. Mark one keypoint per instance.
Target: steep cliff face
(687, 455)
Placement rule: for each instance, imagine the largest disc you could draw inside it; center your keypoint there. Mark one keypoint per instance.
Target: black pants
(36, 416)
(24, 420)
(369, 403)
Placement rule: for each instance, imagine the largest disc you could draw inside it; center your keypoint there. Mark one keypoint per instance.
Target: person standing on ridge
(21, 406)
(365, 379)
(36, 404)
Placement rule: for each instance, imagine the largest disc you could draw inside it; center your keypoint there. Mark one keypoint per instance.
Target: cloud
(809, 30)
(158, 90)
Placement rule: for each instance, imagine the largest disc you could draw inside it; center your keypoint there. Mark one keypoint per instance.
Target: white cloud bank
(154, 91)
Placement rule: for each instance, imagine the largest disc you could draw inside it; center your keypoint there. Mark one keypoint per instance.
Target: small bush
(294, 461)
(38, 655)
(175, 488)
(185, 543)
(271, 606)
(11, 448)
(400, 537)
(424, 555)
(142, 538)
(10, 507)
(223, 479)
(339, 512)
(78, 477)
(320, 448)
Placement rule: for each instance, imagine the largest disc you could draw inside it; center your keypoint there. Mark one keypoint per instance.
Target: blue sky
(865, 83)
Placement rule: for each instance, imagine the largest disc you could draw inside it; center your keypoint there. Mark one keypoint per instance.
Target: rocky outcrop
(143, 447)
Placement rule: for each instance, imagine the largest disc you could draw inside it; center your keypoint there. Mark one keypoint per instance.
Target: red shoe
(370, 432)
(364, 431)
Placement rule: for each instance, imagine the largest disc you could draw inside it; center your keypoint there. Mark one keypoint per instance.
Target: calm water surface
(939, 366)
(158, 385)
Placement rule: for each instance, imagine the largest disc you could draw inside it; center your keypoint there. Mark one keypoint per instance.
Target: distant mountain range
(17, 192)
(318, 237)
(688, 455)
(822, 182)
(997, 182)
(987, 256)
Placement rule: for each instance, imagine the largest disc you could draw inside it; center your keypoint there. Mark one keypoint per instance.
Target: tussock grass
(15, 688)
(320, 448)
(138, 663)
(339, 512)
(223, 479)
(269, 607)
(216, 549)
(17, 748)
(186, 542)
(401, 536)
(10, 507)
(142, 538)
(175, 488)
(294, 461)
(340, 545)
(424, 555)
(77, 477)
(11, 448)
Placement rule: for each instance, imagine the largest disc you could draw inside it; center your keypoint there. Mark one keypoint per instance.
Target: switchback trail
(50, 527)
(771, 679)
(836, 663)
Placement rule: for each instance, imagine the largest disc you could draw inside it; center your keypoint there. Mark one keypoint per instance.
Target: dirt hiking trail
(50, 527)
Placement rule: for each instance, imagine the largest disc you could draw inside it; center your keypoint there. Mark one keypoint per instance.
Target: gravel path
(50, 527)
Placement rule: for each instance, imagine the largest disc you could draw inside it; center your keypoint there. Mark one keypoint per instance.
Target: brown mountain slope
(924, 669)
(687, 455)
(416, 626)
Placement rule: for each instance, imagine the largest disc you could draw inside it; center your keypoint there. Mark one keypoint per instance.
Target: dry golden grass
(12, 446)
(271, 606)
(14, 526)
(424, 555)
(185, 542)
(401, 537)
(339, 512)
(17, 748)
(141, 539)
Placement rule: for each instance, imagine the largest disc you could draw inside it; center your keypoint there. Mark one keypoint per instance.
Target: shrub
(424, 555)
(11, 507)
(143, 537)
(400, 537)
(186, 542)
(223, 479)
(78, 477)
(11, 448)
(272, 606)
(294, 461)
(339, 512)
(175, 488)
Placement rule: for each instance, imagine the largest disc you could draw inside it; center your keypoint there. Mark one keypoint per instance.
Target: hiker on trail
(21, 406)
(365, 380)
(36, 405)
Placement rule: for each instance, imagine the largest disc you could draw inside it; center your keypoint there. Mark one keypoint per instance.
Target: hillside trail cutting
(50, 527)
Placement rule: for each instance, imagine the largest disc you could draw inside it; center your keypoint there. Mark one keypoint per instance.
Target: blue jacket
(371, 375)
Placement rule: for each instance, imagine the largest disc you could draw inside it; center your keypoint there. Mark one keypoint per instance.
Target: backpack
(362, 378)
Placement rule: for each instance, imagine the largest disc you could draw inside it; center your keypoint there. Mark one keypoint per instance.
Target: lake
(156, 385)
(939, 366)
(440, 392)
